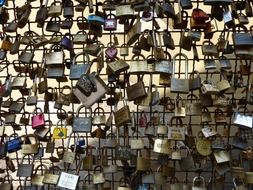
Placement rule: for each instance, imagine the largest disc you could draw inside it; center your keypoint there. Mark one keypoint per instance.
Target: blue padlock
(81, 143)
(14, 143)
(67, 42)
(2, 2)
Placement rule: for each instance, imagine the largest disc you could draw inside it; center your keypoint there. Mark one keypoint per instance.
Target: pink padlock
(143, 122)
(38, 119)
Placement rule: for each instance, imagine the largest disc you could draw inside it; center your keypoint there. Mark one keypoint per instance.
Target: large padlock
(55, 56)
(179, 85)
(76, 70)
(25, 170)
(82, 124)
(110, 22)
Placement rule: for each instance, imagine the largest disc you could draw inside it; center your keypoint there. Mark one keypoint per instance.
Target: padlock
(181, 20)
(193, 108)
(228, 19)
(185, 41)
(7, 186)
(38, 119)
(124, 50)
(14, 143)
(54, 24)
(69, 156)
(68, 9)
(201, 182)
(110, 22)
(76, 70)
(55, 9)
(67, 24)
(6, 43)
(136, 143)
(37, 179)
(67, 41)
(111, 51)
(30, 148)
(26, 56)
(179, 85)
(52, 175)
(82, 124)
(41, 14)
(209, 49)
(99, 117)
(168, 41)
(80, 37)
(143, 122)
(143, 162)
(179, 109)
(60, 132)
(82, 23)
(98, 178)
(25, 170)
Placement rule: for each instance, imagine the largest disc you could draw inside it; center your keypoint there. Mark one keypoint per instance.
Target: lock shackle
(7, 178)
(98, 109)
(173, 180)
(177, 119)
(179, 99)
(41, 170)
(81, 107)
(136, 57)
(193, 73)
(98, 168)
(186, 64)
(87, 58)
(28, 136)
(125, 181)
(202, 179)
(88, 178)
(68, 143)
(35, 110)
(192, 97)
(28, 155)
(60, 121)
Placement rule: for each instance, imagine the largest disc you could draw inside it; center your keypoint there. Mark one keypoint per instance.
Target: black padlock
(41, 15)
(136, 49)
(67, 23)
(54, 24)
(168, 40)
(68, 10)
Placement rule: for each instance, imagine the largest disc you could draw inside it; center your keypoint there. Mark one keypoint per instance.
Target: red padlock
(143, 122)
(111, 51)
(38, 119)
(110, 22)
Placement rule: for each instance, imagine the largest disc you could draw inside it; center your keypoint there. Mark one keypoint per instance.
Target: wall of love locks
(126, 95)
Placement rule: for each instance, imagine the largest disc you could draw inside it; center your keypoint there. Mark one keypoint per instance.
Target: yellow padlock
(60, 132)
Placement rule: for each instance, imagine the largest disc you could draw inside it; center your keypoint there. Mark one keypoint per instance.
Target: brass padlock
(30, 148)
(69, 157)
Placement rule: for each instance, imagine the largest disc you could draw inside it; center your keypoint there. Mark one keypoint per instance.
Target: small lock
(111, 51)
(110, 22)
(124, 50)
